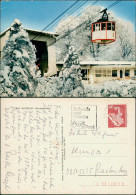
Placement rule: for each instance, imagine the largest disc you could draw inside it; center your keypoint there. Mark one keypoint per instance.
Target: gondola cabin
(103, 31)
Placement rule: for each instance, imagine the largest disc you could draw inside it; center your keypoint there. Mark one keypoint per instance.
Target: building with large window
(100, 71)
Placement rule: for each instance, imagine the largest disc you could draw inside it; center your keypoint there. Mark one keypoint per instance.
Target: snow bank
(117, 88)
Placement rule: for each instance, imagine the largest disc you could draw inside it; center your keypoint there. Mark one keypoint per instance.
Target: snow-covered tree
(70, 76)
(66, 35)
(123, 48)
(19, 73)
(69, 82)
(48, 87)
(126, 37)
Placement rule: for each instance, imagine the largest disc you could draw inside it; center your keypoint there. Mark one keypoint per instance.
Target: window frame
(110, 25)
(104, 26)
(113, 24)
(128, 72)
(114, 75)
(135, 72)
(93, 27)
(85, 75)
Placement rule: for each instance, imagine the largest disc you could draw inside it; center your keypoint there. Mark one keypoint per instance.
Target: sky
(35, 14)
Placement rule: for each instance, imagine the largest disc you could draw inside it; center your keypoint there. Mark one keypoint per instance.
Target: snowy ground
(117, 88)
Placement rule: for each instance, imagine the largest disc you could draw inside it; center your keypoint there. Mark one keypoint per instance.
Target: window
(105, 16)
(58, 73)
(84, 74)
(127, 73)
(93, 27)
(109, 73)
(114, 73)
(134, 72)
(97, 27)
(98, 73)
(103, 26)
(108, 26)
(113, 26)
(104, 73)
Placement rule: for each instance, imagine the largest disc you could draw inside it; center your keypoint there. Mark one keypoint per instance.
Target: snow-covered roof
(35, 31)
(106, 62)
(103, 63)
(42, 32)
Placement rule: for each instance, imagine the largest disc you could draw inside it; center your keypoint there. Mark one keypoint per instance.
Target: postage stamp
(117, 116)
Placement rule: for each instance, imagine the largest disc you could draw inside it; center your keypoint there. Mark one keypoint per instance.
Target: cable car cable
(75, 18)
(91, 5)
(62, 14)
(81, 12)
(72, 11)
(57, 18)
(112, 5)
(95, 3)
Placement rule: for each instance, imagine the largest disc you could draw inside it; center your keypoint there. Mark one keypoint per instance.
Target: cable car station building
(45, 50)
(92, 71)
(100, 71)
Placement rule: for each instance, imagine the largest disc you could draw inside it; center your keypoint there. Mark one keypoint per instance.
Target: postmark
(117, 116)
(84, 117)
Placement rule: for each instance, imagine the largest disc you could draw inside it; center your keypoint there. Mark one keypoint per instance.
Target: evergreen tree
(70, 76)
(19, 74)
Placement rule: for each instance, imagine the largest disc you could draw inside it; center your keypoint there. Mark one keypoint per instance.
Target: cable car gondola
(103, 31)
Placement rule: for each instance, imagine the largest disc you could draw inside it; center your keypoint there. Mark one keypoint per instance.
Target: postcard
(67, 48)
(68, 146)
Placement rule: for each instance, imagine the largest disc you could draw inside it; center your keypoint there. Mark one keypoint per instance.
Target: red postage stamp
(117, 116)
